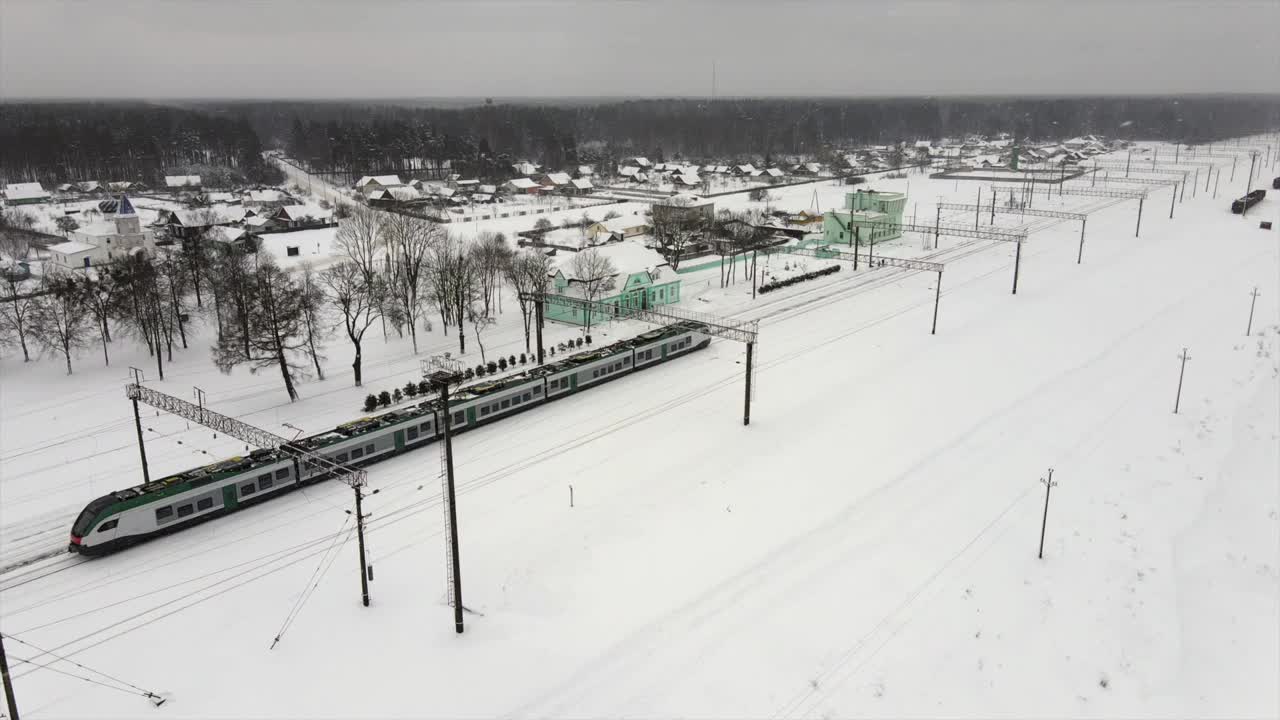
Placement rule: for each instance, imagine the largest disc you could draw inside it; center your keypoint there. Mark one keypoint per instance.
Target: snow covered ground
(866, 547)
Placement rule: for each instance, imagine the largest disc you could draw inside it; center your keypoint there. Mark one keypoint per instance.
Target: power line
(155, 699)
(313, 582)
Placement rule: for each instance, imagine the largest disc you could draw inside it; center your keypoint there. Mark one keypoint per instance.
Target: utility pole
(746, 407)
(1127, 161)
(1017, 260)
(570, 496)
(753, 276)
(1178, 400)
(977, 209)
(1233, 169)
(1249, 330)
(365, 570)
(8, 682)
(937, 228)
(537, 304)
(1044, 521)
(1216, 178)
(937, 297)
(441, 380)
(1138, 229)
(1080, 255)
(137, 423)
(1248, 184)
(1173, 199)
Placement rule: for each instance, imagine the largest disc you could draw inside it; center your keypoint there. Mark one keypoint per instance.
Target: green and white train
(126, 517)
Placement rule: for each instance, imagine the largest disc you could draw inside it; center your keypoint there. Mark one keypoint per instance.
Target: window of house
(265, 482)
(357, 453)
(185, 510)
(282, 473)
(108, 525)
(204, 503)
(247, 489)
(163, 514)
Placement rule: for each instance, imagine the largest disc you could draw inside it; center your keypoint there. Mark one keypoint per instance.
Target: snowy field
(865, 548)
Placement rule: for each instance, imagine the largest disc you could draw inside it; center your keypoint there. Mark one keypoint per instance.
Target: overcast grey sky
(529, 48)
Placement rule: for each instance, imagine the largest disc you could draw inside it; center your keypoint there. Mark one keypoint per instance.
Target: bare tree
(595, 274)
(359, 239)
(66, 225)
(59, 322)
(676, 231)
(277, 330)
(313, 316)
(453, 284)
(358, 301)
(479, 323)
(102, 295)
(528, 272)
(492, 256)
(16, 308)
(408, 241)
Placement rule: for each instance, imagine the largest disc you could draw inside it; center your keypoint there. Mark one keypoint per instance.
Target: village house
(555, 181)
(97, 244)
(618, 228)
(523, 186)
(585, 171)
(298, 217)
(185, 224)
(684, 207)
(25, 194)
(643, 280)
(581, 186)
(524, 167)
(267, 198)
(369, 183)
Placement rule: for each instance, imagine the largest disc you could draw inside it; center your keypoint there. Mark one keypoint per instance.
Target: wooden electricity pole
(1044, 521)
(1181, 371)
(1249, 330)
(8, 683)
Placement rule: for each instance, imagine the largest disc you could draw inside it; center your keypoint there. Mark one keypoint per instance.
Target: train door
(229, 500)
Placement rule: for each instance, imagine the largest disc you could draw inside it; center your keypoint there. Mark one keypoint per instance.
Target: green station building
(868, 216)
(639, 283)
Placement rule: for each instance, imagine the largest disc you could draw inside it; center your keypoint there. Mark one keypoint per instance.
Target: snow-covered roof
(745, 168)
(482, 197)
(924, 143)
(558, 178)
(774, 172)
(71, 247)
(121, 184)
(628, 257)
(522, 183)
(257, 221)
(219, 197)
(525, 168)
(268, 195)
(624, 223)
(98, 229)
(582, 184)
(628, 171)
(225, 234)
(405, 194)
(298, 212)
(383, 180)
(687, 180)
(177, 181)
(25, 191)
(201, 218)
(467, 183)
(642, 161)
(90, 186)
(488, 189)
(684, 200)
(586, 170)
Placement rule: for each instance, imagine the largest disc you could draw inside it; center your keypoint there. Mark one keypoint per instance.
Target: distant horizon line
(519, 99)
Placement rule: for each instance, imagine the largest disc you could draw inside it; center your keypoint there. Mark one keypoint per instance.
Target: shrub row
(413, 389)
(768, 287)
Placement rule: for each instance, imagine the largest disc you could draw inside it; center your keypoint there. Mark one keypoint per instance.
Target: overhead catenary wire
(313, 582)
(155, 698)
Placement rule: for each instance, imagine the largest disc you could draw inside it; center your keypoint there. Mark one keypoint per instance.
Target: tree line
(393, 270)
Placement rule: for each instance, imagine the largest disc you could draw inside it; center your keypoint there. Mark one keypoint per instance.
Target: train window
(484, 411)
(527, 397)
(342, 457)
(357, 453)
(248, 489)
(282, 473)
(185, 510)
(204, 503)
(369, 449)
(515, 401)
(425, 427)
(506, 404)
(458, 417)
(163, 514)
(537, 391)
(412, 434)
(265, 482)
(108, 525)
(595, 373)
(626, 361)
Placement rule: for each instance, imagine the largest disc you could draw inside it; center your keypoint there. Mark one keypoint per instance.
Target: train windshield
(84, 523)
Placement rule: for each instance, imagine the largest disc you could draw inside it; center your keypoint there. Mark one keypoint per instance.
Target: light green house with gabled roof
(640, 283)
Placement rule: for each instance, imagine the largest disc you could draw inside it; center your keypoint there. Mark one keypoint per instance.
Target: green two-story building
(869, 216)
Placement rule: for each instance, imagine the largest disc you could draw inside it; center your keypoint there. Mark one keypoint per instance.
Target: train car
(1241, 204)
(178, 501)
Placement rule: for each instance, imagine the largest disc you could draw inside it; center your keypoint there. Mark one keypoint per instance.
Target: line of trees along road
(392, 269)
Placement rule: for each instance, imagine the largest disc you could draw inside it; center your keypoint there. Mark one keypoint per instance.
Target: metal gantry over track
(743, 331)
(355, 478)
(1083, 191)
(830, 253)
(995, 209)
